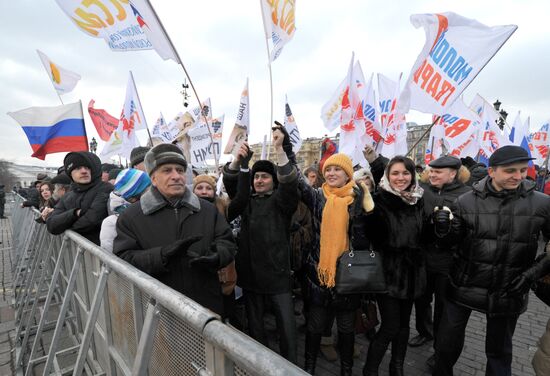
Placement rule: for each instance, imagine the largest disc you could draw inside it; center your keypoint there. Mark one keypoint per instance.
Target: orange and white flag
(63, 80)
(279, 24)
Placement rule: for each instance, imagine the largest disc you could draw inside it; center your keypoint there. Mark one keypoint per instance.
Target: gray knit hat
(163, 154)
(137, 155)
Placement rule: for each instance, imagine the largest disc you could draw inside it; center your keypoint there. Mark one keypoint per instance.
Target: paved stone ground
(7, 323)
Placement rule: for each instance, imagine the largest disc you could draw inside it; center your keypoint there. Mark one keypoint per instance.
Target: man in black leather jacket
(497, 226)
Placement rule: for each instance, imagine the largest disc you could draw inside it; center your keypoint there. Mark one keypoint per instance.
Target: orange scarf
(334, 230)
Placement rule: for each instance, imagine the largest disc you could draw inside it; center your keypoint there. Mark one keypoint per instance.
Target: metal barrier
(81, 310)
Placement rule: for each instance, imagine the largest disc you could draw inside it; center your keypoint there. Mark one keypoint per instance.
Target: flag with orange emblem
(63, 80)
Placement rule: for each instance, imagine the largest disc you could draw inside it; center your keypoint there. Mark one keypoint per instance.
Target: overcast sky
(222, 43)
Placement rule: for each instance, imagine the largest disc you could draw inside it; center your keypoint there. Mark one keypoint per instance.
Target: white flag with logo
(241, 129)
(331, 112)
(456, 50)
(63, 80)
(392, 122)
(278, 17)
(292, 128)
(124, 25)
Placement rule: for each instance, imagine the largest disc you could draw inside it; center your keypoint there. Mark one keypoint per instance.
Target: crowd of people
(459, 234)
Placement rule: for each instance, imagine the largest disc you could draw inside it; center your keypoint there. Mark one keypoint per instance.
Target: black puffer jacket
(32, 198)
(148, 225)
(398, 231)
(92, 201)
(263, 259)
(315, 200)
(439, 253)
(498, 232)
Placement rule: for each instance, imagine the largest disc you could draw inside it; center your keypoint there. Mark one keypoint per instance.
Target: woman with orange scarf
(338, 208)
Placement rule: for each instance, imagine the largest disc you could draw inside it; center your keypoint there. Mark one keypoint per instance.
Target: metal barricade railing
(81, 310)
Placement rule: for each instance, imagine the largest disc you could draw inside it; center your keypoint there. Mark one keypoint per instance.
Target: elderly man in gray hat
(173, 235)
(497, 227)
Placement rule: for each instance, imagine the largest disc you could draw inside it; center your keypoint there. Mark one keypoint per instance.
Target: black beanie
(137, 155)
(107, 167)
(265, 166)
(114, 173)
(82, 158)
(61, 179)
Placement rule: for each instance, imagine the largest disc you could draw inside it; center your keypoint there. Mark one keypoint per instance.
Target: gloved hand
(368, 202)
(370, 154)
(442, 221)
(179, 246)
(287, 145)
(209, 262)
(519, 285)
(246, 160)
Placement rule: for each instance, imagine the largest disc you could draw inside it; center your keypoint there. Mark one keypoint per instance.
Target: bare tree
(6, 176)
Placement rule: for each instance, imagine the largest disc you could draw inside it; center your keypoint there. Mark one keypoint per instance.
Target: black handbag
(360, 272)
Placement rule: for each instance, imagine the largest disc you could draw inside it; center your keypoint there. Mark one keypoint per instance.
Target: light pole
(503, 114)
(93, 145)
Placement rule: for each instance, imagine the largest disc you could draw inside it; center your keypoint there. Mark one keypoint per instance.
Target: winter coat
(498, 234)
(301, 234)
(477, 173)
(92, 200)
(148, 225)
(2, 196)
(32, 198)
(263, 260)
(315, 200)
(108, 227)
(439, 253)
(398, 231)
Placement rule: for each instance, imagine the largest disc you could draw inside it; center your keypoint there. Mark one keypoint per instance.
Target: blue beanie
(131, 182)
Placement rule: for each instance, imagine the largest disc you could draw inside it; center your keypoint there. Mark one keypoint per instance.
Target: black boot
(346, 341)
(375, 355)
(398, 352)
(313, 342)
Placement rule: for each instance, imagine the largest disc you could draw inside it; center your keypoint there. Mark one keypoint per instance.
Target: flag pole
(216, 158)
(423, 135)
(270, 74)
(139, 100)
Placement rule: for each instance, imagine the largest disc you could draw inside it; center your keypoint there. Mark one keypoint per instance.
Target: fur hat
(204, 179)
(137, 155)
(341, 160)
(265, 166)
(131, 182)
(163, 154)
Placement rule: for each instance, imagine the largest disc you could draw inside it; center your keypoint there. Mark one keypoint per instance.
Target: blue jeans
(450, 341)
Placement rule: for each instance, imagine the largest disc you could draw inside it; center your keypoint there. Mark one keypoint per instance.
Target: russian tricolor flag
(53, 129)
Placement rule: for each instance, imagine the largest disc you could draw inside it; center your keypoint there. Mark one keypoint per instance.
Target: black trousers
(436, 286)
(319, 318)
(498, 341)
(395, 315)
(283, 308)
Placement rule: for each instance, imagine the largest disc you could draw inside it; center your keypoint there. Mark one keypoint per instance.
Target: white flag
(278, 17)
(392, 122)
(456, 50)
(124, 139)
(241, 129)
(331, 112)
(124, 25)
(161, 130)
(292, 129)
(63, 80)
(205, 143)
(538, 143)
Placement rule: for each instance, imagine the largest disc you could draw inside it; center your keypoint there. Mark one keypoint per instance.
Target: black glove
(519, 285)
(287, 145)
(246, 160)
(442, 222)
(210, 262)
(179, 246)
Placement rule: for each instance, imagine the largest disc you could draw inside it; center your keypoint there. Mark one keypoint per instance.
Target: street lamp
(503, 114)
(93, 145)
